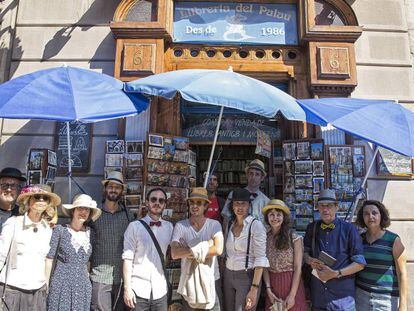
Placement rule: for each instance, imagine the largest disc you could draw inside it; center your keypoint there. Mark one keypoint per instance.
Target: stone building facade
(38, 34)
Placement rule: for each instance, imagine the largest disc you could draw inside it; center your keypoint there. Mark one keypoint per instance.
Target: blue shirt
(345, 244)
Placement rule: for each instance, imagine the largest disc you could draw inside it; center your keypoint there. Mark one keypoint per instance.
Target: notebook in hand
(327, 259)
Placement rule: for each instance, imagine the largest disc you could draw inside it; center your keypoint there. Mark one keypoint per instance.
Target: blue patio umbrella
(223, 88)
(68, 94)
(384, 123)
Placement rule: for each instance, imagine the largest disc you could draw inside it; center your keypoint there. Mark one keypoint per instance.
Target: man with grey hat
(255, 173)
(333, 249)
(11, 181)
(106, 263)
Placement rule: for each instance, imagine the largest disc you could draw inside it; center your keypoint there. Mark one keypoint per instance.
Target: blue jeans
(366, 301)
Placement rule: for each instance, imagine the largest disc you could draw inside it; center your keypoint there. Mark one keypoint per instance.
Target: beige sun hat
(115, 177)
(83, 200)
(199, 193)
(276, 204)
(257, 165)
(31, 190)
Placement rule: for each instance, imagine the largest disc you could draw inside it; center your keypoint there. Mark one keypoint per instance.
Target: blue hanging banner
(235, 23)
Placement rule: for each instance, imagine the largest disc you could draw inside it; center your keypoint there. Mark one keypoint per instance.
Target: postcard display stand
(170, 165)
(303, 178)
(346, 171)
(127, 157)
(41, 167)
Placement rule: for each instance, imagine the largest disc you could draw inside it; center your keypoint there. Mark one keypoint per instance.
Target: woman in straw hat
(24, 244)
(71, 247)
(285, 251)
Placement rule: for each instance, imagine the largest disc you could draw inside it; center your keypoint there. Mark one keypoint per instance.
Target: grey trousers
(17, 299)
(236, 286)
(143, 304)
(105, 296)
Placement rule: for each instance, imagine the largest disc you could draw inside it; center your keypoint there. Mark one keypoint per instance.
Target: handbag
(306, 269)
(278, 305)
(157, 246)
(3, 304)
(54, 262)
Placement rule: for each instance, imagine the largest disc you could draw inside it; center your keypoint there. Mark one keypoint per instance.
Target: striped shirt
(106, 259)
(379, 275)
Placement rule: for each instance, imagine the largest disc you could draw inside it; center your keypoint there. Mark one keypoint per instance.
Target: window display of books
(303, 178)
(170, 164)
(127, 157)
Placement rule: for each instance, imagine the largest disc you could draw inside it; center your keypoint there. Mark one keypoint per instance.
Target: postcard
(36, 159)
(156, 140)
(115, 146)
(316, 151)
(114, 159)
(303, 167)
(135, 146)
(302, 150)
(318, 168)
(51, 158)
(289, 151)
(133, 159)
(132, 201)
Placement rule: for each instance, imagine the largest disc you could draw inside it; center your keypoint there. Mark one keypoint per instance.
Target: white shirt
(209, 231)
(256, 209)
(26, 269)
(236, 247)
(147, 271)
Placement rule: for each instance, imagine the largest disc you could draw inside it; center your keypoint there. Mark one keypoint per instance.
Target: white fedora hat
(83, 200)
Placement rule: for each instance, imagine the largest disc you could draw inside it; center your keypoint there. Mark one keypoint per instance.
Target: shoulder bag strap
(315, 224)
(246, 264)
(8, 263)
(55, 258)
(157, 245)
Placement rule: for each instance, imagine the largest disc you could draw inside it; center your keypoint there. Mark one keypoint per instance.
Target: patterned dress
(281, 273)
(70, 287)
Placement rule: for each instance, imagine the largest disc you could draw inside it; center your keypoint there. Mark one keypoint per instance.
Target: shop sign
(201, 128)
(236, 23)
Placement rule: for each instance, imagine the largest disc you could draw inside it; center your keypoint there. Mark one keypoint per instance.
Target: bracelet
(268, 287)
(339, 274)
(255, 285)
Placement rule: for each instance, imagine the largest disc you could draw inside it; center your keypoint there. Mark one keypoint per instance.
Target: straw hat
(257, 165)
(115, 177)
(327, 196)
(199, 193)
(276, 204)
(28, 191)
(83, 200)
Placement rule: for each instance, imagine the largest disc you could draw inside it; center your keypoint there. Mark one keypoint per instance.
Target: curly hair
(50, 215)
(385, 215)
(283, 239)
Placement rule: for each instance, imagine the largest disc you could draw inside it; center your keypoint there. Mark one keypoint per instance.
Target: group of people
(233, 252)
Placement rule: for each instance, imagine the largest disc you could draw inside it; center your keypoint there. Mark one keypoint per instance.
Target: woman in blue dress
(70, 287)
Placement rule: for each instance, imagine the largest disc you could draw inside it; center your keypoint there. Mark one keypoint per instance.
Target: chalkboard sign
(242, 128)
(81, 146)
(391, 163)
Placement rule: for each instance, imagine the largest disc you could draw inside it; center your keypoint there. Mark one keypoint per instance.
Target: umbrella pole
(213, 147)
(69, 163)
(359, 195)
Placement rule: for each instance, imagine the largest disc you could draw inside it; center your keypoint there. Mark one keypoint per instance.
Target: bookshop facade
(304, 47)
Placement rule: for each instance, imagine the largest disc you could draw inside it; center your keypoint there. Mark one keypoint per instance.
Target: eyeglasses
(9, 186)
(39, 197)
(154, 200)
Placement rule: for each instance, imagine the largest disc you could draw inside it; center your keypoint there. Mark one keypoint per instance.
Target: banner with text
(236, 23)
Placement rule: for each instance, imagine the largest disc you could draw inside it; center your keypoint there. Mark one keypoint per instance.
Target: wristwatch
(339, 274)
(255, 285)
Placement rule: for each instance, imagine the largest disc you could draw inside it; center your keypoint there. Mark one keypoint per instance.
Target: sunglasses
(39, 197)
(9, 186)
(154, 200)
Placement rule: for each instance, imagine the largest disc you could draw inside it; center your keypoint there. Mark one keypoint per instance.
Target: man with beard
(145, 286)
(109, 229)
(11, 180)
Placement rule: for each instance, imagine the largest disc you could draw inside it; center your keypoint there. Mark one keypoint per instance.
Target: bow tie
(253, 195)
(155, 223)
(325, 226)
